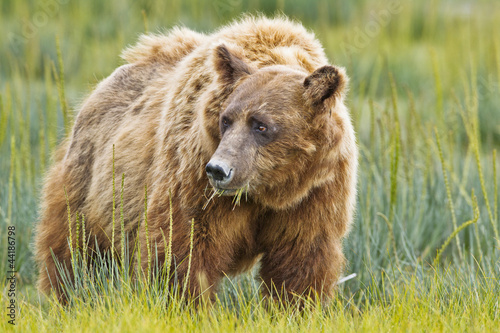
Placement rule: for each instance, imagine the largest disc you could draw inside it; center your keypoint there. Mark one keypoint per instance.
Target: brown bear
(252, 110)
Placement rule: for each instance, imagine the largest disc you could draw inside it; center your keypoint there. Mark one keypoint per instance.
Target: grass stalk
(170, 235)
(26, 138)
(438, 86)
(448, 192)
(191, 245)
(70, 233)
(145, 21)
(50, 107)
(11, 177)
(495, 184)
(391, 234)
(394, 173)
(483, 188)
(475, 208)
(84, 243)
(122, 225)
(59, 77)
(472, 130)
(239, 193)
(372, 124)
(496, 46)
(113, 209)
(77, 233)
(212, 196)
(42, 139)
(4, 120)
(148, 245)
(396, 152)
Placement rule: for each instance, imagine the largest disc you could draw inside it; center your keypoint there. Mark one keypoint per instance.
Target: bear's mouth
(238, 194)
(218, 190)
(221, 191)
(226, 192)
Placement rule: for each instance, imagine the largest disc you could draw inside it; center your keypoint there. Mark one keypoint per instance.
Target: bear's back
(262, 41)
(277, 41)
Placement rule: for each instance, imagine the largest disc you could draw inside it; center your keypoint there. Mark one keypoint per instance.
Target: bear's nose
(218, 171)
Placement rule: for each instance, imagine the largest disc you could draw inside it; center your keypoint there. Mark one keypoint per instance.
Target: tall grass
(424, 98)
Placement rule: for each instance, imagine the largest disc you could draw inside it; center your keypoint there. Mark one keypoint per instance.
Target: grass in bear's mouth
(214, 192)
(238, 194)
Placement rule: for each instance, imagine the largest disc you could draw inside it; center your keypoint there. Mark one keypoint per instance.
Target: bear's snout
(219, 173)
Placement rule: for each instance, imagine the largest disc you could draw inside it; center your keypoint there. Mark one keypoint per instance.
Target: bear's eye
(261, 128)
(225, 123)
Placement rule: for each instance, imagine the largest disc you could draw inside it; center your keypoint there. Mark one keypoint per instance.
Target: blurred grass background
(420, 71)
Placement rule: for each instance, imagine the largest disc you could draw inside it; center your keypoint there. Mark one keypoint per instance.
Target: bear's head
(282, 130)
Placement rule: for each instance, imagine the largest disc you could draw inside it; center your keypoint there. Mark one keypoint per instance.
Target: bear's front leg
(302, 267)
(302, 245)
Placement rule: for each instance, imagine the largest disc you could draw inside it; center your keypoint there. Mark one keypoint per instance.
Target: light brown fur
(162, 112)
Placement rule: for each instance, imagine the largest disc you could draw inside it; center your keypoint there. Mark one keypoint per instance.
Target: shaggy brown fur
(257, 95)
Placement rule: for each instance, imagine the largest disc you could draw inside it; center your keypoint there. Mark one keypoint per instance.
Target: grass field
(424, 96)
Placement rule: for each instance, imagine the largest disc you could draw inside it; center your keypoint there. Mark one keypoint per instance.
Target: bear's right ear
(229, 66)
(325, 86)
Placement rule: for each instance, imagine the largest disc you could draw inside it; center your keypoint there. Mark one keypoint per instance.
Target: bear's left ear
(325, 86)
(229, 66)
